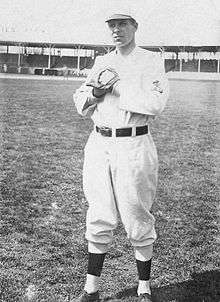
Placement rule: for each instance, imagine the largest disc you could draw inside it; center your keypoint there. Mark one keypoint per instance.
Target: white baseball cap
(118, 17)
(121, 13)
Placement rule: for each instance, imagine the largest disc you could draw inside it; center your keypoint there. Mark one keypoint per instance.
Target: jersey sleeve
(137, 95)
(83, 97)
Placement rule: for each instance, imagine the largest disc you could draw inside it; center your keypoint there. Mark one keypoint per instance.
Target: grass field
(42, 208)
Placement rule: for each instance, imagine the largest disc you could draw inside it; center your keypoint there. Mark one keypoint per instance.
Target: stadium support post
(107, 49)
(181, 64)
(49, 58)
(199, 65)
(19, 58)
(78, 60)
(218, 66)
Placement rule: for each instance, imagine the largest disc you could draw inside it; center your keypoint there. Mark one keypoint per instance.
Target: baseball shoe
(85, 297)
(145, 298)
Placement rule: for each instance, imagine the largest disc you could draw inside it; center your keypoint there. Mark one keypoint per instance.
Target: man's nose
(116, 29)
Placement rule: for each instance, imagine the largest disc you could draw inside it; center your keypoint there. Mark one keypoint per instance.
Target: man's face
(122, 31)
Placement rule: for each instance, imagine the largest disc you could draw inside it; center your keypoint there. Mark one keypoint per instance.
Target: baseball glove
(103, 78)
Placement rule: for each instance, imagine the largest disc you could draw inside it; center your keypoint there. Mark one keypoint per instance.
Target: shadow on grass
(202, 288)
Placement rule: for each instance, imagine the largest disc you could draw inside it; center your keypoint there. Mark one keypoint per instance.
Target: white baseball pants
(120, 179)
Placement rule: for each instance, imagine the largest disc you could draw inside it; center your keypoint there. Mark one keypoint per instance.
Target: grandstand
(76, 60)
(40, 59)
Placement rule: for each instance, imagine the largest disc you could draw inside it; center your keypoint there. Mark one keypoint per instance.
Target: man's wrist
(91, 101)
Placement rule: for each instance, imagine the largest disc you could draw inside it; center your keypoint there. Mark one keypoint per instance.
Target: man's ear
(134, 23)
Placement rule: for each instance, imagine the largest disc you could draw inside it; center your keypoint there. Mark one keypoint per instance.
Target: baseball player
(125, 89)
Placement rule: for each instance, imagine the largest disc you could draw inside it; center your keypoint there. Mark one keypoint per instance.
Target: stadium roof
(100, 47)
(53, 44)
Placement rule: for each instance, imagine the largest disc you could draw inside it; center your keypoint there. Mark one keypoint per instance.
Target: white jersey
(137, 102)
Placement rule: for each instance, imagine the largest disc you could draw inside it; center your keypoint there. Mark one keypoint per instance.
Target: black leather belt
(106, 131)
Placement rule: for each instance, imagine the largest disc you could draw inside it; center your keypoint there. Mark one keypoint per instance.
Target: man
(121, 165)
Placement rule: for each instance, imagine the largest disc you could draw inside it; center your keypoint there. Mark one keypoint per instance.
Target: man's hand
(98, 93)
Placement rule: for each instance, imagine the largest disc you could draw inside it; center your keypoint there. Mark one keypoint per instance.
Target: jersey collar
(129, 55)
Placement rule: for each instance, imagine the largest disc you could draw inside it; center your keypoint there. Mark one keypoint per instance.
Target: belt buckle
(105, 131)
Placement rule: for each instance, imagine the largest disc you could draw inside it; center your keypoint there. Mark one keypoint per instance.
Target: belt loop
(133, 131)
(113, 132)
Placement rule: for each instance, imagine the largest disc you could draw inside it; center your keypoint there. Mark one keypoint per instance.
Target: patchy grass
(42, 208)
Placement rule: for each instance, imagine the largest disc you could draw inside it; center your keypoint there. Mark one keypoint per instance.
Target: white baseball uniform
(120, 173)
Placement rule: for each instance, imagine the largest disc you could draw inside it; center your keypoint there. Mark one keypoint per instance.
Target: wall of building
(30, 62)
(9, 63)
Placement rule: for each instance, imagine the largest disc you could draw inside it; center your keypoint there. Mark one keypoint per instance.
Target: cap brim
(118, 17)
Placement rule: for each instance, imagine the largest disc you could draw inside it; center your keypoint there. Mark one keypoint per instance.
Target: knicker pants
(120, 179)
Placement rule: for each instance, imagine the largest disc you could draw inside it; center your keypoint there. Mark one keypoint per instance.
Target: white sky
(160, 21)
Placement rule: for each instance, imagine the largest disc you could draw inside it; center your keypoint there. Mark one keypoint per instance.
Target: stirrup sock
(95, 264)
(144, 269)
